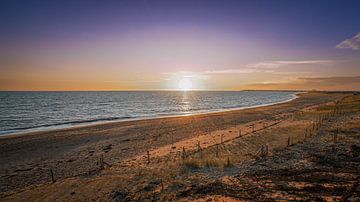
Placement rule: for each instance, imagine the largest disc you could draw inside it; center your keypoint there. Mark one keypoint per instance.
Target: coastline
(90, 123)
(26, 159)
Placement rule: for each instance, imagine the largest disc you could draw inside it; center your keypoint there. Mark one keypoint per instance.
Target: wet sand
(26, 160)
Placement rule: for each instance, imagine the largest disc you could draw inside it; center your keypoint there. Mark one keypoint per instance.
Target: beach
(66, 156)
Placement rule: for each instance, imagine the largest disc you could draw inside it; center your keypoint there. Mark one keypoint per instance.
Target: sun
(185, 84)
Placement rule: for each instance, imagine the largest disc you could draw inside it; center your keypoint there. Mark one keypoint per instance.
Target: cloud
(332, 80)
(352, 43)
(268, 66)
(211, 72)
(281, 63)
(261, 67)
(309, 83)
(230, 71)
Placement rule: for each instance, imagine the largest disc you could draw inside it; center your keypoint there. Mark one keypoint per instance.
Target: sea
(22, 112)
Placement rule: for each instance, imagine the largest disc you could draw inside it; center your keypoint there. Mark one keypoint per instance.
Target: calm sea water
(29, 111)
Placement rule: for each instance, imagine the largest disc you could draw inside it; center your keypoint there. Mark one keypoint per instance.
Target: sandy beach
(26, 161)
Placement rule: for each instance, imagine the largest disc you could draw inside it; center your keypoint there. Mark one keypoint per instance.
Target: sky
(157, 45)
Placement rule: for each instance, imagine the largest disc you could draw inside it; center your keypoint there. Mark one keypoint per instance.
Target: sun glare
(185, 84)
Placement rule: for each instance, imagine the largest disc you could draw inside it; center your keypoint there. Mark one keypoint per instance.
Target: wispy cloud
(268, 66)
(281, 63)
(332, 80)
(260, 67)
(352, 43)
(230, 71)
(121, 81)
(309, 83)
(215, 71)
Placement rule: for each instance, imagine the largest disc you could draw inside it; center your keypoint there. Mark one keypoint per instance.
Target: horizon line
(176, 90)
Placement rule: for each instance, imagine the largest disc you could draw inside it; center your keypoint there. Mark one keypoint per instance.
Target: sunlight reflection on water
(21, 111)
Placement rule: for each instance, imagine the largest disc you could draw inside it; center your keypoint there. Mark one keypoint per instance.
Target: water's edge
(54, 127)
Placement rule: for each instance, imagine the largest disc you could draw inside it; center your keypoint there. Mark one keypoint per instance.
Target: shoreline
(66, 126)
(26, 159)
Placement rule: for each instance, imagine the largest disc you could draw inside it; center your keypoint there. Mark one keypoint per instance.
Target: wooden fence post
(228, 162)
(148, 157)
(267, 149)
(336, 135)
(217, 150)
(52, 175)
(101, 162)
